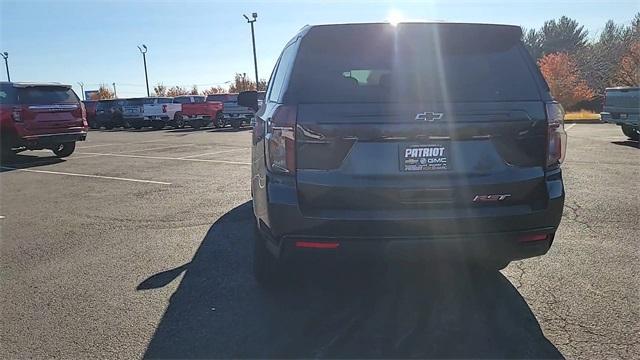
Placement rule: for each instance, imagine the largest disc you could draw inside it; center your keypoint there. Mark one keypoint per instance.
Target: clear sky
(206, 42)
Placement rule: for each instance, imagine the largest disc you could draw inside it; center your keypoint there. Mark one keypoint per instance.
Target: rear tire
(631, 132)
(267, 269)
(178, 119)
(108, 127)
(236, 124)
(65, 149)
(7, 153)
(218, 122)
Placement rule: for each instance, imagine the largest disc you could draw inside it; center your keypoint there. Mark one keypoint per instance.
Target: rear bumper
(630, 120)
(484, 232)
(47, 140)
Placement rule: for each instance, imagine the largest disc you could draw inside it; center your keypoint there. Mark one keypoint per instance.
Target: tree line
(240, 83)
(577, 68)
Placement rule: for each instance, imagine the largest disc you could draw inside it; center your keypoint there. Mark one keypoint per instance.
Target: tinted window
(182, 100)
(46, 95)
(140, 101)
(281, 72)
(103, 105)
(198, 99)
(216, 97)
(7, 94)
(412, 62)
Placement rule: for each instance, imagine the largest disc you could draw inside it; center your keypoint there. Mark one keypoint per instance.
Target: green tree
(563, 35)
(533, 41)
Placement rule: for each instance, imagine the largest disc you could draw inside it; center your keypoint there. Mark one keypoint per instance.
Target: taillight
(281, 141)
(557, 137)
(16, 114)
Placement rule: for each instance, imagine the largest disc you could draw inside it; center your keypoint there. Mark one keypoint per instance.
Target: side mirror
(248, 99)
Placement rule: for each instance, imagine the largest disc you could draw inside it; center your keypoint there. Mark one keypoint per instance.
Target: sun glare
(394, 17)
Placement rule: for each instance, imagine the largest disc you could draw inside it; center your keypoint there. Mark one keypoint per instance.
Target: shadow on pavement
(337, 310)
(630, 143)
(230, 129)
(22, 161)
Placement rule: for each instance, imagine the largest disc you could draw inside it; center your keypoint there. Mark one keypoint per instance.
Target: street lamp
(82, 89)
(5, 55)
(144, 59)
(253, 41)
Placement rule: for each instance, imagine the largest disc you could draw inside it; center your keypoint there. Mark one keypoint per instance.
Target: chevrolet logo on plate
(429, 116)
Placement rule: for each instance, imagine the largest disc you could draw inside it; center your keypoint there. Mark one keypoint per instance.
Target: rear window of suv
(46, 95)
(412, 62)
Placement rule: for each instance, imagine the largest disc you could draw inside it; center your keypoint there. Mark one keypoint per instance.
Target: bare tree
(160, 90)
(214, 90)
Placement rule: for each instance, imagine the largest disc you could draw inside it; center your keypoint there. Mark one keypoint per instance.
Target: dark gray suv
(435, 138)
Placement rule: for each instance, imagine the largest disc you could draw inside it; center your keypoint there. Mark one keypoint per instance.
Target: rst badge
(429, 116)
(424, 157)
(491, 198)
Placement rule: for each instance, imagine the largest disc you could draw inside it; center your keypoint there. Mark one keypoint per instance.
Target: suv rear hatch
(396, 120)
(48, 109)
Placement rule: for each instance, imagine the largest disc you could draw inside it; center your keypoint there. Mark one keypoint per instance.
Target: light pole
(115, 94)
(82, 89)
(144, 59)
(253, 41)
(5, 55)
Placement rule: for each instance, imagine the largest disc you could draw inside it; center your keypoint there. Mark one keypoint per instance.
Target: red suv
(36, 116)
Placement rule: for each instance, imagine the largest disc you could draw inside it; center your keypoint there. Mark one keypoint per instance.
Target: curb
(583, 122)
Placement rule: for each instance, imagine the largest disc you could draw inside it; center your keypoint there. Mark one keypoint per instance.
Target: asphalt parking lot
(140, 244)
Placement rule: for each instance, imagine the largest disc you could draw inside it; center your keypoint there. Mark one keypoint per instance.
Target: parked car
(36, 116)
(233, 114)
(197, 112)
(90, 108)
(441, 140)
(109, 114)
(622, 107)
(154, 112)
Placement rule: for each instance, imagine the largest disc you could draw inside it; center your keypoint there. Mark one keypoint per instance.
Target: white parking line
(131, 143)
(213, 153)
(92, 146)
(87, 175)
(132, 151)
(169, 158)
(569, 127)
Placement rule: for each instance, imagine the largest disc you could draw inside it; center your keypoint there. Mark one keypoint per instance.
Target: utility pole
(115, 94)
(82, 90)
(253, 41)
(144, 59)
(5, 55)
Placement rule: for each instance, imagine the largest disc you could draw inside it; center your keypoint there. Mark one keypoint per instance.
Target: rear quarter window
(7, 95)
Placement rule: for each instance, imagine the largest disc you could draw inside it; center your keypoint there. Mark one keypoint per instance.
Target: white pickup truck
(156, 112)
